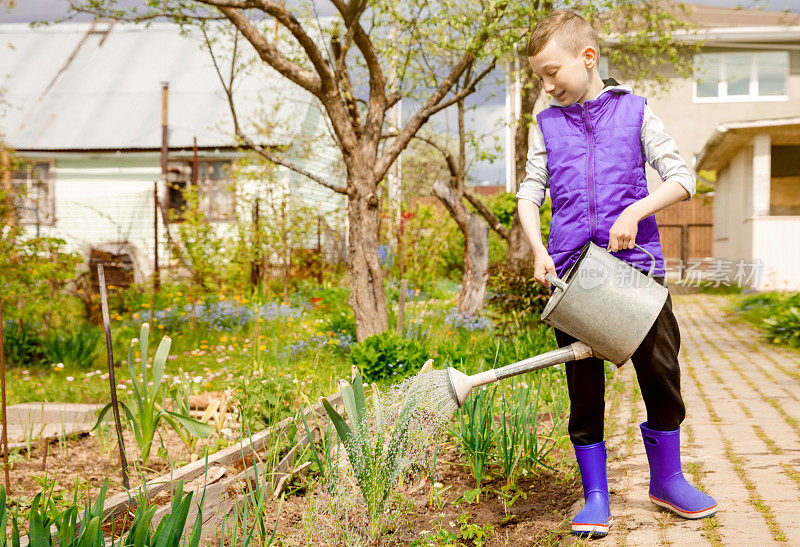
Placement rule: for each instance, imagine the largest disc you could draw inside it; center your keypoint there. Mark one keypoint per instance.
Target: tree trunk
(476, 249)
(476, 255)
(518, 246)
(367, 295)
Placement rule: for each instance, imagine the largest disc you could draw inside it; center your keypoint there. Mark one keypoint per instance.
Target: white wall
(732, 232)
(775, 243)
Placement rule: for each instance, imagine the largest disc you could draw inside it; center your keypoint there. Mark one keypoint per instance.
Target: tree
(358, 42)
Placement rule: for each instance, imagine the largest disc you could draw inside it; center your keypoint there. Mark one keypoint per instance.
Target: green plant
(170, 528)
(23, 343)
(179, 402)
(240, 528)
(473, 532)
(342, 322)
(515, 299)
(475, 431)
(326, 460)
(387, 355)
(537, 445)
(144, 411)
(87, 531)
(377, 455)
(784, 327)
(262, 402)
(514, 419)
(79, 348)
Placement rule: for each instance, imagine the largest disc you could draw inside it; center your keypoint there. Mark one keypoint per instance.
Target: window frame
(204, 181)
(722, 85)
(25, 216)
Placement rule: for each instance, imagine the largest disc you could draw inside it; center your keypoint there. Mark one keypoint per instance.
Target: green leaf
(159, 363)
(198, 429)
(342, 429)
(132, 372)
(359, 400)
(100, 415)
(144, 342)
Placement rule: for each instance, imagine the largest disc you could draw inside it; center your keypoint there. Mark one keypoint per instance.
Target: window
(33, 193)
(784, 188)
(747, 76)
(214, 187)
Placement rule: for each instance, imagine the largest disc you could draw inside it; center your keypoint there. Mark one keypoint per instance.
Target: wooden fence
(686, 232)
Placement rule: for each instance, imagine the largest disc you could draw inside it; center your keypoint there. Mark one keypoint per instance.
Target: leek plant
(514, 424)
(144, 411)
(475, 431)
(378, 455)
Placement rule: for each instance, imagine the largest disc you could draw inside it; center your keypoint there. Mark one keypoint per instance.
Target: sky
(491, 102)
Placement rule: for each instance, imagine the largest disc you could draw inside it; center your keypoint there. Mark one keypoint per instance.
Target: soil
(540, 517)
(89, 461)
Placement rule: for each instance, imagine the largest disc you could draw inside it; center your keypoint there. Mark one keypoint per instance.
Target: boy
(589, 147)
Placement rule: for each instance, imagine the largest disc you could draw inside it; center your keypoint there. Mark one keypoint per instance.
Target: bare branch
(268, 155)
(269, 53)
(487, 214)
(261, 150)
(432, 106)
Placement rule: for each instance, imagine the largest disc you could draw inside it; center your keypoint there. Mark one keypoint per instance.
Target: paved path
(741, 437)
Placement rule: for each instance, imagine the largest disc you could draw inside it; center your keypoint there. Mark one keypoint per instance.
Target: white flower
(70, 379)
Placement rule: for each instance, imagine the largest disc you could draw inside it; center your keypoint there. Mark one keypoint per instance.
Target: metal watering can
(607, 304)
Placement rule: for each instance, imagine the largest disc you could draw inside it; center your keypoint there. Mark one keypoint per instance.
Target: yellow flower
(223, 338)
(179, 293)
(473, 339)
(146, 306)
(161, 327)
(262, 347)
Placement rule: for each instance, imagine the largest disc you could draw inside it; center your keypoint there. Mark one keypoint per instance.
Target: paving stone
(711, 345)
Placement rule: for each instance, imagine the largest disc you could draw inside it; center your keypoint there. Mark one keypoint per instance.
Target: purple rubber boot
(595, 518)
(668, 487)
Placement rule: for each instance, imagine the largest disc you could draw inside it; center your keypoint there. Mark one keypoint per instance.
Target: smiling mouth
(560, 95)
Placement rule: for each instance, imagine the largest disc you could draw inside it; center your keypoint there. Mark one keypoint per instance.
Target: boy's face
(564, 76)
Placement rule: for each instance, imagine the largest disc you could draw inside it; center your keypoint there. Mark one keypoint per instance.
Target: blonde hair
(571, 30)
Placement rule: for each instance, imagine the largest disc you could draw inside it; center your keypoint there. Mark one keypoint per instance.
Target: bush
(784, 328)
(515, 300)
(79, 348)
(387, 355)
(23, 343)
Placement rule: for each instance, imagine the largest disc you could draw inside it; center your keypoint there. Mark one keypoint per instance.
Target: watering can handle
(553, 280)
(652, 258)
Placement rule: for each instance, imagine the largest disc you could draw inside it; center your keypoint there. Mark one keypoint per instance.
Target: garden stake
(3, 388)
(401, 306)
(101, 278)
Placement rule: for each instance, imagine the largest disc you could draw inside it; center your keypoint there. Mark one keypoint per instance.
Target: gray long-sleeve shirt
(659, 149)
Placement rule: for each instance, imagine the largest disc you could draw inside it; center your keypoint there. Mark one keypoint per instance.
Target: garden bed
(537, 515)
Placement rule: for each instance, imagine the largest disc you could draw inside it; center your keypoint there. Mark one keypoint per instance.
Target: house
(83, 105)
(757, 208)
(747, 68)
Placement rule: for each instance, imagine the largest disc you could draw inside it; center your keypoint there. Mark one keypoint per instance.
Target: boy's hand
(542, 265)
(623, 232)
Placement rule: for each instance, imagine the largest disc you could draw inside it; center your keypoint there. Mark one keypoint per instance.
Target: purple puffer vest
(596, 163)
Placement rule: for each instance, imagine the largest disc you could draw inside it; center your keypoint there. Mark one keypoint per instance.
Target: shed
(757, 201)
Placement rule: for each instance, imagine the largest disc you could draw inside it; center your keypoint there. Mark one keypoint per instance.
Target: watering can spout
(461, 385)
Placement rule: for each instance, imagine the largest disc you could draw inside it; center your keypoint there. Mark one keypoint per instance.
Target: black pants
(658, 372)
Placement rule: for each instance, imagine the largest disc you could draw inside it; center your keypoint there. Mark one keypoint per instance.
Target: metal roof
(97, 86)
(728, 138)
